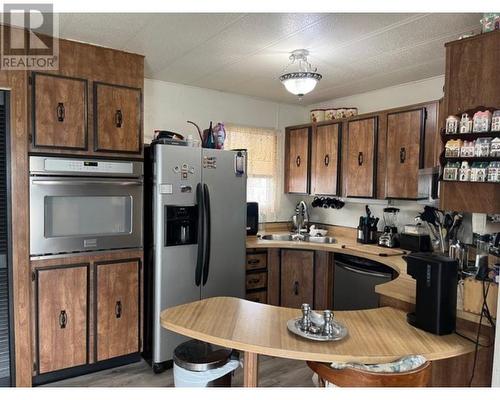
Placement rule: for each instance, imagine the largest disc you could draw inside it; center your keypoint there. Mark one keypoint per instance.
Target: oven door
(84, 214)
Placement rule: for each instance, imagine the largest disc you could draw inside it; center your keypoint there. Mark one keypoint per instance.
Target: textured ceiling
(245, 53)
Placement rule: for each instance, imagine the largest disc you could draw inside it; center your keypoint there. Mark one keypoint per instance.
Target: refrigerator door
(175, 265)
(225, 191)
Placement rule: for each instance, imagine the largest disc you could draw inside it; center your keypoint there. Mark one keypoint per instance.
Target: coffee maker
(436, 295)
(390, 236)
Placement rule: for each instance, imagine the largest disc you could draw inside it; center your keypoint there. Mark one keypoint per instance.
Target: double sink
(287, 237)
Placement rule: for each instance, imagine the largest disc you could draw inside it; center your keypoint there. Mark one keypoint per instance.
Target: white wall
(382, 99)
(391, 97)
(168, 106)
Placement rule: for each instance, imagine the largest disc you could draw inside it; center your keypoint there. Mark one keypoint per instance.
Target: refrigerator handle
(206, 263)
(199, 260)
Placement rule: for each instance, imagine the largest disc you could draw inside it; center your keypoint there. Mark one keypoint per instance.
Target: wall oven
(84, 205)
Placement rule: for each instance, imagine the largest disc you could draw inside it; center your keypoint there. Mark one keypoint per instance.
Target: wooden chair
(352, 377)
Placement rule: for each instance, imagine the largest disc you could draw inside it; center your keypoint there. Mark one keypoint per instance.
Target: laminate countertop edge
(401, 288)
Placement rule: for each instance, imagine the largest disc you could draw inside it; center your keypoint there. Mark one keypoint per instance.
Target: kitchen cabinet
(117, 116)
(325, 166)
(471, 76)
(297, 278)
(256, 280)
(87, 309)
(117, 319)
(62, 307)
(297, 160)
(471, 83)
(404, 151)
(59, 106)
(361, 159)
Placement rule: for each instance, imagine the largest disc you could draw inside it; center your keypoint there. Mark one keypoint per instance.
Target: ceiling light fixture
(305, 77)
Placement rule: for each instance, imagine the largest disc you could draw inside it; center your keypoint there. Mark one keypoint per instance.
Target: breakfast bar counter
(375, 336)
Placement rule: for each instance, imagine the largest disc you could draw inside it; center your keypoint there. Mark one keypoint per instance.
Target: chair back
(353, 377)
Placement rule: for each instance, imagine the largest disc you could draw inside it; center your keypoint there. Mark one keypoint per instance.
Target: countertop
(375, 336)
(402, 288)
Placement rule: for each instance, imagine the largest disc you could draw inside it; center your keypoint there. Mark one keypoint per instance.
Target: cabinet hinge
(34, 367)
(33, 275)
(30, 138)
(425, 114)
(30, 80)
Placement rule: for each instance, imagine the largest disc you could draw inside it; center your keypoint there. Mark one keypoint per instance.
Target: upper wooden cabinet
(92, 105)
(61, 317)
(472, 78)
(325, 166)
(297, 160)
(361, 157)
(117, 116)
(404, 151)
(117, 327)
(59, 112)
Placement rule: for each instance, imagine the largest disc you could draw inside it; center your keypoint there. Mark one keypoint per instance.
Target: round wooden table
(375, 336)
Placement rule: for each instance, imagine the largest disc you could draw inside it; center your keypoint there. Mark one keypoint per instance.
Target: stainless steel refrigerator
(197, 234)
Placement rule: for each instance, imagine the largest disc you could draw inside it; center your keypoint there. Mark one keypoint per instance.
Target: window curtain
(261, 145)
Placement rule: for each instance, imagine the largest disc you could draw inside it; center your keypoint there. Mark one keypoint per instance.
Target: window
(262, 163)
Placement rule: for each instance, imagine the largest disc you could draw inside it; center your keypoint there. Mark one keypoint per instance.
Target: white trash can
(200, 364)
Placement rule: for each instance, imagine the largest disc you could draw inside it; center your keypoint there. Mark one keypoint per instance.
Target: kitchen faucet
(302, 219)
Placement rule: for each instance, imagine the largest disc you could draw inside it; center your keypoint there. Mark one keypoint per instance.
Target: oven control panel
(75, 166)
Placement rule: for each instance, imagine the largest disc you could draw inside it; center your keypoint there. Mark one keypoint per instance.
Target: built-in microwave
(84, 205)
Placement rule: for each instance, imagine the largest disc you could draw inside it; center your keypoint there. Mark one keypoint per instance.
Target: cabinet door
(59, 112)
(117, 116)
(405, 132)
(61, 316)
(297, 161)
(117, 319)
(297, 278)
(472, 77)
(325, 159)
(360, 165)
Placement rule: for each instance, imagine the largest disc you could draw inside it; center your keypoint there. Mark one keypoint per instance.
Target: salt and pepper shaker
(305, 322)
(328, 324)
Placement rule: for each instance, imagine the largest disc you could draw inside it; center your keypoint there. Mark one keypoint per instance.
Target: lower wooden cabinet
(297, 278)
(117, 319)
(61, 317)
(87, 309)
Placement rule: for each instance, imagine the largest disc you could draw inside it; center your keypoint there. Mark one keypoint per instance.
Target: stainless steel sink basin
(289, 238)
(320, 239)
(283, 237)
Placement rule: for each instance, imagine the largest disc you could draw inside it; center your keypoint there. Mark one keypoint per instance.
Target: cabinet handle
(60, 111)
(63, 319)
(296, 288)
(327, 160)
(297, 161)
(253, 261)
(118, 309)
(402, 155)
(118, 118)
(253, 281)
(360, 158)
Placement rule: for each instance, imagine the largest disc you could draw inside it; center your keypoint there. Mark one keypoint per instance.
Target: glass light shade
(300, 83)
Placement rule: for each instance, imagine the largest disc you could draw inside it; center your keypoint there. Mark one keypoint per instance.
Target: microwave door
(84, 214)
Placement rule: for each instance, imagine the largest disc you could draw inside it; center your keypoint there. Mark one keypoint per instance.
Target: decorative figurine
(464, 173)
(468, 148)
(452, 148)
(465, 124)
(450, 171)
(479, 172)
(451, 124)
(482, 147)
(482, 121)
(495, 121)
(494, 171)
(495, 147)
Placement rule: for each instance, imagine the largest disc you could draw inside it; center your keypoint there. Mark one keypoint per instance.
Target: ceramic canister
(317, 115)
(330, 114)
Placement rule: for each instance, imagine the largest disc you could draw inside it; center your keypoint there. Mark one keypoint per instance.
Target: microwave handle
(75, 182)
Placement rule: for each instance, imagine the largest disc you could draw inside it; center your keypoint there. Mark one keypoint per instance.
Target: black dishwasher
(354, 282)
